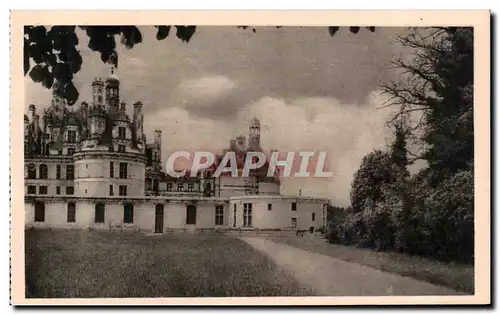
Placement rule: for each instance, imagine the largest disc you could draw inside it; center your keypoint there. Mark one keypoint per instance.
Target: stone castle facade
(94, 167)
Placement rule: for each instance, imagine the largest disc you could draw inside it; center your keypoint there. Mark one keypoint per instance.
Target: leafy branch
(51, 55)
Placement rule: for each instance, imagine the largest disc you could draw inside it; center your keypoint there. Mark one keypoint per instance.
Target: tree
(438, 82)
(376, 169)
(56, 57)
(399, 150)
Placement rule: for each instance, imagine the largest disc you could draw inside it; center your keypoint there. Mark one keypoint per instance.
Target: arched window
(128, 213)
(71, 215)
(32, 171)
(43, 171)
(39, 212)
(99, 213)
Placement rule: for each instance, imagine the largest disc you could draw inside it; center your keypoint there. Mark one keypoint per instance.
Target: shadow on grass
(87, 264)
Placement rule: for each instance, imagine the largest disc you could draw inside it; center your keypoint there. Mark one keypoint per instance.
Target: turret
(240, 144)
(157, 150)
(36, 126)
(112, 87)
(138, 121)
(97, 93)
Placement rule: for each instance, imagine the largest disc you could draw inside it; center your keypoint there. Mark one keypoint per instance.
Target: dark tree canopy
(438, 82)
(56, 57)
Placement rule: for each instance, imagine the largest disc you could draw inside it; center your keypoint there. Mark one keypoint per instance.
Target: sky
(309, 90)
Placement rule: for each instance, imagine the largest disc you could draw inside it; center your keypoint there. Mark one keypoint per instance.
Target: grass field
(455, 276)
(86, 264)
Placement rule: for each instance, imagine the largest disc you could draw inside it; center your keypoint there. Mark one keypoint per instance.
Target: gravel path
(333, 277)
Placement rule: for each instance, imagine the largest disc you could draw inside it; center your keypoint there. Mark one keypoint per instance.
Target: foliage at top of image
(56, 57)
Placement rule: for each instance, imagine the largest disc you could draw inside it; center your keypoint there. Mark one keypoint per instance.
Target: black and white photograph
(276, 160)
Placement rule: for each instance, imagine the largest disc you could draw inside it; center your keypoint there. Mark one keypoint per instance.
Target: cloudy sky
(309, 90)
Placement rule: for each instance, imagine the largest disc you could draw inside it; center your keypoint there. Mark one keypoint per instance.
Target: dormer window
(71, 136)
(121, 132)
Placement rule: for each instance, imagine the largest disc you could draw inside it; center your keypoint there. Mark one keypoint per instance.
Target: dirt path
(334, 277)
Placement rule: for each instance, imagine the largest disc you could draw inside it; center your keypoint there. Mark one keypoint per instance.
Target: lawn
(455, 276)
(86, 264)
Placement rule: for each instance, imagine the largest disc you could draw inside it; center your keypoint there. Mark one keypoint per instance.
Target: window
(70, 172)
(99, 213)
(155, 184)
(43, 171)
(58, 171)
(128, 213)
(121, 148)
(111, 190)
(191, 214)
(71, 137)
(71, 151)
(180, 187)
(31, 189)
(234, 216)
(121, 132)
(99, 98)
(42, 190)
(190, 187)
(58, 190)
(123, 170)
(32, 171)
(294, 222)
(219, 215)
(111, 169)
(71, 212)
(39, 212)
(247, 214)
(70, 190)
(122, 190)
(269, 206)
(170, 186)
(314, 216)
(294, 206)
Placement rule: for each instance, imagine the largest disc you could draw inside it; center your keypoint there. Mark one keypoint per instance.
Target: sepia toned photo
(300, 163)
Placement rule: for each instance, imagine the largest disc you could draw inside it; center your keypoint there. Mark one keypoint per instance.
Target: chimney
(32, 110)
(232, 145)
(36, 123)
(157, 137)
(240, 144)
(138, 121)
(123, 106)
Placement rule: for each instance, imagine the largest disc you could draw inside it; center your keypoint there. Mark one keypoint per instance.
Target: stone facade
(92, 167)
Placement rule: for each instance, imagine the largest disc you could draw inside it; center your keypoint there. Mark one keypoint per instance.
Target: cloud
(345, 131)
(207, 88)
